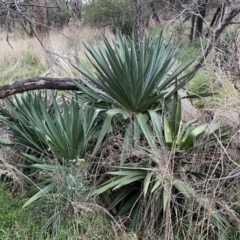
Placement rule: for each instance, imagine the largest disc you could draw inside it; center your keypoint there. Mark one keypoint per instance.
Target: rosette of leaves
(131, 88)
(39, 123)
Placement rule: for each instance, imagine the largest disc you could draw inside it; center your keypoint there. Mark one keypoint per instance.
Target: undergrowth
(117, 161)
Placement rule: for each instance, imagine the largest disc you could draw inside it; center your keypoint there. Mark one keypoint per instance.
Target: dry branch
(37, 83)
(216, 33)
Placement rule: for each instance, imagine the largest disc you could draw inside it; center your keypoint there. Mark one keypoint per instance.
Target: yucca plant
(39, 123)
(137, 193)
(162, 191)
(182, 136)
(162, 186)
(129, 87)
(142, 92)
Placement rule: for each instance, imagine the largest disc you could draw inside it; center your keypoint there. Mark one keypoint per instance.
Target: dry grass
(20, 47)
(27, 58)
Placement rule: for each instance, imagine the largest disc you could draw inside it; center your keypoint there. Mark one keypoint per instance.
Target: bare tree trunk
(30, 31)
(39, 20)
(78, 10)
(200, 19)
(215, 16)
(192, 28)
(216, 33)
(223, 8)
(48, 16)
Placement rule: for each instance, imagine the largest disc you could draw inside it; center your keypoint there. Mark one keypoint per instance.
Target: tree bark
(214, 19)
(38, 15)
(48, 16)
(200, 18)
(78, 10)
(37, 83)
(192, 28)
(215, 16)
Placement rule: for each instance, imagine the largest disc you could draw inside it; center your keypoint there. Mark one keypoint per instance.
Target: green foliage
(60, 16)
(184, 137)
(165, 180)
(189, 51)
(124, 27)
(39, 123)
(110, 12)
(9, 73)
(100, 12)
(128, 85)
(30, 59)
(65, 210)
(149, 181)
(54, 201)
(55, 216)
(153, 32)
(28, 65)
(141, 92)
(139, 185)
(198, 85)
(14, 222)
(131, 82)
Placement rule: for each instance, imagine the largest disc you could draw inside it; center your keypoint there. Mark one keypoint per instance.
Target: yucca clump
(122, 139)
(151, 185)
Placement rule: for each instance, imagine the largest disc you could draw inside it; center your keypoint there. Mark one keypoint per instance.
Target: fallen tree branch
(37, 83)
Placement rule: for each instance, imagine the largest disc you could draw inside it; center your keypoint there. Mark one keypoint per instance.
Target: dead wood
(37, 83)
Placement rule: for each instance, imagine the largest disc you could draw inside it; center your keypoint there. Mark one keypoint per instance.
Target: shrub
(60, 17)
(110, 12)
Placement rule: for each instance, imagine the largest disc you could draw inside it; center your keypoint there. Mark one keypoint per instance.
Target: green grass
(26, 66)
(155, 31)
(14, 223)
(187, 52)
(11, 74)
(198, 84)
(87, 222)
